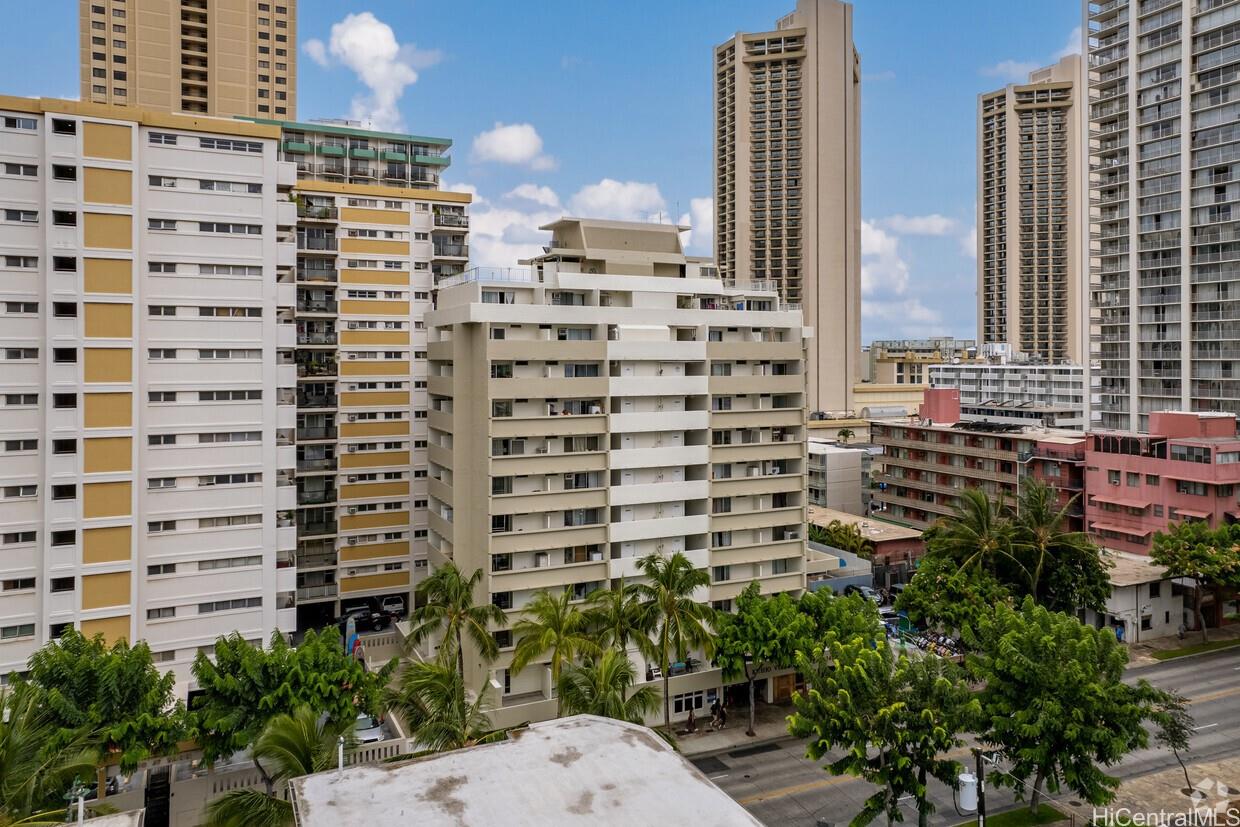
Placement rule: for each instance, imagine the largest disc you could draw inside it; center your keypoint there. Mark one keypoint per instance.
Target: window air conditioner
(352, 417)
(353, 509)
(352, 477)
(353, 541)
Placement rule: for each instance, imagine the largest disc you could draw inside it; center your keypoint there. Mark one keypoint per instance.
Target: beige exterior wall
(788, 196)
(209, 57)
(613, 403)
(1030, 290)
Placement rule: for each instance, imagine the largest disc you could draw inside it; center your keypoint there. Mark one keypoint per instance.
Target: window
(14, 445)
(29, 308)
(230, 563)
(1113, 477)
(64, 264)
(64, 355)
(64, 172)
(27, 170)
(64, 446)
(22, 216)
(19, 631)
(64, 127)
(1155, 590)
(779, 566)
(165, 138)
(1191, 453)
(162, 613)
(1198, 489)
(64, 218)
(1152, 479)
(21, 399)
(503, 600)
(161, 439)
(722, 505)
(21, 262)
(161, 396)
(1133, 479)
(64, 492)
(501, 370)
(161, 526)
(62, 584)
(13, 492)
(20, 123)
(18, 584)
(64, 537)
(64, 310)
(161, 224)
(229, 605)
(721, 573)
(155, 483)
(230, 144)
(13, 538)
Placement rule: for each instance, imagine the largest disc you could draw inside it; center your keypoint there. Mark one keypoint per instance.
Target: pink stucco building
(1186, 468)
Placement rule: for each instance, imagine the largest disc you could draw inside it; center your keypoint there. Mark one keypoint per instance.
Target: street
(780, 786)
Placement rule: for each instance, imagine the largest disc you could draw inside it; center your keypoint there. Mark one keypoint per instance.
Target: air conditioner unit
(352, 509)
(352, 417)
(351, 573)
(352, 477)
(353, 541)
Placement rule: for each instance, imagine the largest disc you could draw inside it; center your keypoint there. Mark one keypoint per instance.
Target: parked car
(865, 591)
(365, 619)
(393, 606)
(367, 730)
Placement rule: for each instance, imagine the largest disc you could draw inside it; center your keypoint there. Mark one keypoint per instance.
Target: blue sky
(605, 108)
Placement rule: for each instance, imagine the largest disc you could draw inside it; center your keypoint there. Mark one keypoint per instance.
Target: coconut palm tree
(290, 746)
(604, 686)
(1040, 535)
(446, 603)
(617, 617)
(978, 534)
(439, 713)
(551, 624)
(844, 434)
(679, 623)
(34, 773)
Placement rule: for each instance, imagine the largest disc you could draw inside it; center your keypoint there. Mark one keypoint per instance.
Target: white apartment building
(1018, 392)
(611, 400)
(147, 421)
(1164, 156)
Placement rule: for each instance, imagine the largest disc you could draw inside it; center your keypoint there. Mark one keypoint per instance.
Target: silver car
(367, 730)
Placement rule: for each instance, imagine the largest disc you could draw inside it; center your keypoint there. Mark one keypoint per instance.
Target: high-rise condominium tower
(614, 400)
(1164, 154)
(211, 57)
(213, 395)
(788, 180)
(1029, 288)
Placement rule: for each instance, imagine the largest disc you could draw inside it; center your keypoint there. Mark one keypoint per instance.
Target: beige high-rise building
(1164, 160)
(210, 57)
(1029, 285)
(613, 399)
(788, 180)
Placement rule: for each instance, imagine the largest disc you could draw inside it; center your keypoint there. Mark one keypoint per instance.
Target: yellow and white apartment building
(177, 439)
(610, 400)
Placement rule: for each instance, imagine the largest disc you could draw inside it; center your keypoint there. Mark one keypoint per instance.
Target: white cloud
(478, 200)
(621, 200)
(536, 194)
(968, 243)
(700, 239)
(933, 224)
(882, 268)
(1012, 71)
(1072, 46)
(368, 46)
(517, 143)
(907, 317)
(886, 74)
(316, 50)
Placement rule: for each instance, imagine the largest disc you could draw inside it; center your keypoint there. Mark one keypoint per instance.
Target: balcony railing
(316, 243)
(317, 464)
(316, 338)
(310, 529)
(327, 495)
(455, 250)
(320, 432)
(313, 306)
(316, 401)
(451, 220)
(313, 211)
(317, 592)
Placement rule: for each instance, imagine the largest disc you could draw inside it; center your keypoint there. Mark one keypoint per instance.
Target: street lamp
(77, 802)
(748, 659)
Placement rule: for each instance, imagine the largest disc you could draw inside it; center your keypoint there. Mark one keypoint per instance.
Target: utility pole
(981, 787)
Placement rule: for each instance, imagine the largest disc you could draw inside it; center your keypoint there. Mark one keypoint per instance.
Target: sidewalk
(770, 724)
(1141, 654)
(1164, 792)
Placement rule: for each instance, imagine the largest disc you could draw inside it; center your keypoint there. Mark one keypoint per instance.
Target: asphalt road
(781, 787)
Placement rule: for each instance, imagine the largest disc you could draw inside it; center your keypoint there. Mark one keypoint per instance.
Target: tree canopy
(246, 686)
(1054, 701)
(1207, 556)
(113, 694)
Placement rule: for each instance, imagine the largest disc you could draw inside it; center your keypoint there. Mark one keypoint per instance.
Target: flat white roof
(579, 770)
(131, 818)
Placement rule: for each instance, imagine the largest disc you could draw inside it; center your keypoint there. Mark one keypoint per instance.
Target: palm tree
(552, 624)
(446, 601)
(34, 774)
(432, 700)
(1040, 534)
(978, 534)
(844, 434)
(290, 746)
(616, 615)
(679, 622)
(604, 687)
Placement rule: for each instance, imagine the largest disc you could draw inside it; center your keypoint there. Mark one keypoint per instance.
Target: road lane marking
(725, 775)
(1203, 726)
(1214, 696)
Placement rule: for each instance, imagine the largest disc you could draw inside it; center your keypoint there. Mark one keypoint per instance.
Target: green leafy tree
(844, 434)
(445, 604)
(1174, 727)
(440, 714)
(290, 746)
(979, 534)
(551, 625)
(246, 686)
(845, 617)
(115, 693)
(763, 633)
(678, 622)
(617, 618)
(38, 763)
(944, 596)
(1065, 570)
(1054, 701)
(1207, 556)
(603, 686)
(891, 717)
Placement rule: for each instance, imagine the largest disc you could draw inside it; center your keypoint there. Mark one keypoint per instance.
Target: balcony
(307, 369)
(318, 213)
(316, 464)
(327, 591)
(452, 251)
(451, 220)
(316, 497)
(316, 338)
(316, 242)
(316, 306)
(317, 432)
(321, 274)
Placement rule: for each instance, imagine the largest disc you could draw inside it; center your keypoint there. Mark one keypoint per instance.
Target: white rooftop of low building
(870, 528)
(131, 818)
(580, 770)
(1133, 569)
